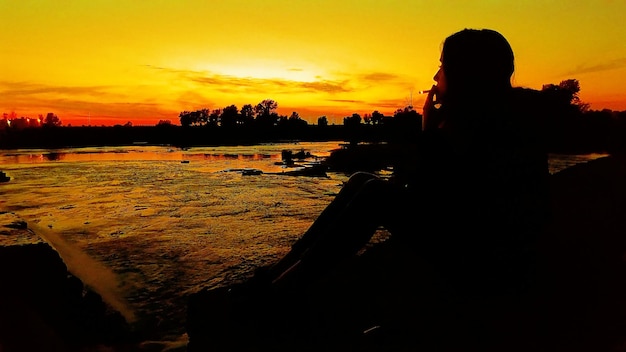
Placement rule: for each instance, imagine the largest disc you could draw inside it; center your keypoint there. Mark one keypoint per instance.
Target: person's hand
(431, 115)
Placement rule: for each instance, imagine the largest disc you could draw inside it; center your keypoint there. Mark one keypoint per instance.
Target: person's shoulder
(531, 101)
(532, 97)
(528, 95)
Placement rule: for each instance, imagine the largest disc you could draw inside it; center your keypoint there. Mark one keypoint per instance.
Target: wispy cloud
(378, 77)
(232, 84)
(389, 104)
(29, 88)
(605, 66)
(346, 101)
(96, 101)
(325, 86)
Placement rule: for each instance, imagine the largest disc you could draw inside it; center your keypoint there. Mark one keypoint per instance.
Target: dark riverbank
(383, 300)
(587, 190)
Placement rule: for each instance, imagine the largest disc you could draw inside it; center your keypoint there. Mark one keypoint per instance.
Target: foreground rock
(383, 300)
(43, 307)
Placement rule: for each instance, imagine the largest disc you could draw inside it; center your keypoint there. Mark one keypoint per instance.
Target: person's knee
(361, 177)
(376, 184)
(356, 182)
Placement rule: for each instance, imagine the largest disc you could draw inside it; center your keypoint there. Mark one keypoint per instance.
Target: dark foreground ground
(383, 301)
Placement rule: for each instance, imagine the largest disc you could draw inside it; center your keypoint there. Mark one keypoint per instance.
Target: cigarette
(424, 91)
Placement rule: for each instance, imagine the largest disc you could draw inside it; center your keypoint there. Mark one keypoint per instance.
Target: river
(146, 226)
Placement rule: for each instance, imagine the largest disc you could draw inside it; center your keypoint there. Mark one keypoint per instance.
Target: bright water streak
(165, 228)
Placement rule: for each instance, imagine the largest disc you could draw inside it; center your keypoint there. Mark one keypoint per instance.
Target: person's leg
(271, 304)
(345, 232)
(353, 186)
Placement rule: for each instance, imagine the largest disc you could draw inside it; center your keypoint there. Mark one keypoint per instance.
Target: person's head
(474, 62)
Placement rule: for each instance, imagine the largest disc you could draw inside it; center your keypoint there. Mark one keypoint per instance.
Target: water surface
(147, 226)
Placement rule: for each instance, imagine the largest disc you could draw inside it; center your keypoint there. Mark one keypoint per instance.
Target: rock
(4, 177)
(20, 224)
(15, 231)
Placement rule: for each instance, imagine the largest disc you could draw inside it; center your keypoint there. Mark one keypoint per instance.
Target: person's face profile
(440, 78)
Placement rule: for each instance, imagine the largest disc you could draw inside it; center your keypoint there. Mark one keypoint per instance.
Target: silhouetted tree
(164, 123)
(294, 116)
(406, 123)
(194, 118)
(185, 118)
(567, 127)
(230, 116)
(265, 107)
(377, 117)
(283, 120)
(322, 121)
(566, 93)
(51, 120)
(33, 122)
(202, 117)
(352, 124)
(353, 120)
(213, 119)
(247, 114)
(265, 115)
(20, 123)
(407, 115)
(367, 119)
(295, 121)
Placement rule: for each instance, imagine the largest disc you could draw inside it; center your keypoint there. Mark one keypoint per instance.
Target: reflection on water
(125, 155)
(558, 162)
(167, 228)
(269, 152)
(268, 155)
(163, 227)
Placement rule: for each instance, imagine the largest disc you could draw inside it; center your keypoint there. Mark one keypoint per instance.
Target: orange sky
(110, 61)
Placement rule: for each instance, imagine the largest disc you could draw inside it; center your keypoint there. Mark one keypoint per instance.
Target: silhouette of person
(486, 142)
(475, 199)
(479, 191)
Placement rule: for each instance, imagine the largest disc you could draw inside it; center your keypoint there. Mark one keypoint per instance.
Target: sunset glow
(107, 61)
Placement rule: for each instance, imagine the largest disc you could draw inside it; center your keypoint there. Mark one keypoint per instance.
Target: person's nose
(436, 76)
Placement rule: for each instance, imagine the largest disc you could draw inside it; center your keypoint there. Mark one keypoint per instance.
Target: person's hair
(477, 62)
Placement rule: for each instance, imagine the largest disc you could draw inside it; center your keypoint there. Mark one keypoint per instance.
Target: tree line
(573, 126)
(264, 115)
(12, 121)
